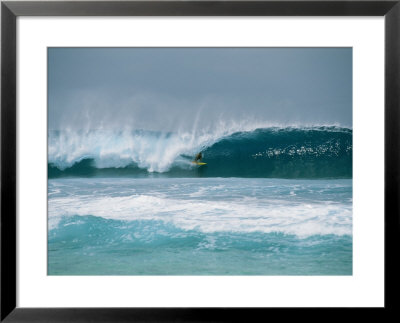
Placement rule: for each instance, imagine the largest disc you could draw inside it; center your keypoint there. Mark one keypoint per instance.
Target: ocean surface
(270, 201)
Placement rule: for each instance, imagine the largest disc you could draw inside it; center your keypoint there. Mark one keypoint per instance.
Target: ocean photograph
(200, 161)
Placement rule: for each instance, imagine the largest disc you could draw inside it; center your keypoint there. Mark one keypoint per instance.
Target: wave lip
(291, 152)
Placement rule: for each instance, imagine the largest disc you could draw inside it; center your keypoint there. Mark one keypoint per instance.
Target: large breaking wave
(276, 152)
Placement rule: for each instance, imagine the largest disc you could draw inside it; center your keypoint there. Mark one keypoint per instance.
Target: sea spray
(290, 152)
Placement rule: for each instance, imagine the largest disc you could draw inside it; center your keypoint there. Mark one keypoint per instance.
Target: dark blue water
(318, 152)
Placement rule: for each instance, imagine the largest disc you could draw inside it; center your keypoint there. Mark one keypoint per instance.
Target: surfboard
(198, 163)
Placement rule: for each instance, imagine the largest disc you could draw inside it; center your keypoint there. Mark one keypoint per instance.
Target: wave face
(314, 152)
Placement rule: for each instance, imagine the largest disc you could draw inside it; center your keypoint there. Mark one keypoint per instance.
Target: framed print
(188, 198)
(196, 160)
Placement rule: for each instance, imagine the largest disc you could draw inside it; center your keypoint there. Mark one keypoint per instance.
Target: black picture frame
(10, 10)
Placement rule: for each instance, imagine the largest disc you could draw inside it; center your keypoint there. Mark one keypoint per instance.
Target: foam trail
(214, 207)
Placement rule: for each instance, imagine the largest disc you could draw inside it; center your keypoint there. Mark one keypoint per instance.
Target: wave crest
(289, 152)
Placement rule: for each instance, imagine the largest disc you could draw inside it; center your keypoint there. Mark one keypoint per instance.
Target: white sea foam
(239, 215)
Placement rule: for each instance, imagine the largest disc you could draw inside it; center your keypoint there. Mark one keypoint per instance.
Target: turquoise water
(199, 226)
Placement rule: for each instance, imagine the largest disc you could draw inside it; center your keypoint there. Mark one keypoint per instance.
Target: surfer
(198, 157)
